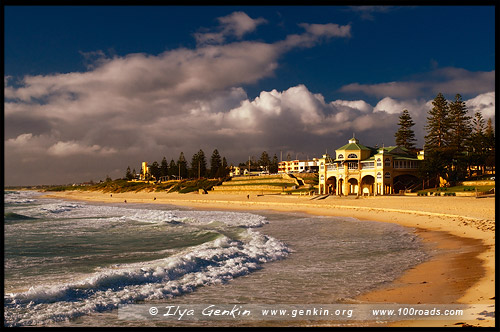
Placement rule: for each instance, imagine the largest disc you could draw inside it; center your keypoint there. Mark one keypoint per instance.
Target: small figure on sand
(125, 201)
(248, 196)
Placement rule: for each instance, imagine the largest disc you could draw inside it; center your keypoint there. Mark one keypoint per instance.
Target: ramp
(320, 197)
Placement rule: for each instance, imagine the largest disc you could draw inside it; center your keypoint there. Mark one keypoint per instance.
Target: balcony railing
(352, 166)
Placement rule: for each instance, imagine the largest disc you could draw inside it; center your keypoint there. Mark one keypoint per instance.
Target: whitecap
(213, 262)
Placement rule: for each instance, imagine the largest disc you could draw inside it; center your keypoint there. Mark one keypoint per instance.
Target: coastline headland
(462, 229)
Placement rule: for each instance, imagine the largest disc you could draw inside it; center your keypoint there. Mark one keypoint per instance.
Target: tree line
(456, 144)
(265, 162)
(199, 168)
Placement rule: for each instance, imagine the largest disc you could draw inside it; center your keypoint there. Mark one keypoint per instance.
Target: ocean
(73, 263)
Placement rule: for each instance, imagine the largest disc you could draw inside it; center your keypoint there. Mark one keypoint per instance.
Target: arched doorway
(367, 185)
(321, 186)
(331, 185)
(405, 182)
(340, 190)
(353, 186)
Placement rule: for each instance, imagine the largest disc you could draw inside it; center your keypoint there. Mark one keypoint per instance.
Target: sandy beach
(462, 228)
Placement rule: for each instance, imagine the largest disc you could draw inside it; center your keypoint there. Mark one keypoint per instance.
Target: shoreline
(460, 228)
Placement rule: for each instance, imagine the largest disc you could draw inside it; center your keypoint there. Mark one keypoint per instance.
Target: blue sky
(92, 90)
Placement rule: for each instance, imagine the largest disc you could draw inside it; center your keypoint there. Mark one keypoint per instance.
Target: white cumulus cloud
(484, 103)
(63, 149)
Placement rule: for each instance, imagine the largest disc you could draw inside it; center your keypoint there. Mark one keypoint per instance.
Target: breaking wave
(236, 250)
(213, 262)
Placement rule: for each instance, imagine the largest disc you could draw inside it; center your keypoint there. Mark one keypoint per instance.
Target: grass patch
(454, 190)
(277, 184)
(121, 186)
(187, 186)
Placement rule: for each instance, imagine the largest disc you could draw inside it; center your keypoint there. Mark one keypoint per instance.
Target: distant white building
(243, 170)
(299, 166)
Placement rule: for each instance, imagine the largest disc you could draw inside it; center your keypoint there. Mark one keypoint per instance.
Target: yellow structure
(235, 171)
(144, 171)
(420, 155)
(443, 182)
(360, 170)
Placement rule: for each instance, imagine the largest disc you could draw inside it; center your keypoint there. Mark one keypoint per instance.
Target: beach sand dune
(462, 228)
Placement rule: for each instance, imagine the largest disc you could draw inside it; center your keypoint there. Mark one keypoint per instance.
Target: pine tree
(128, 174)
(438, 124)
(264, 160)
(224, 168)
(164, 167)
(490, 145)
(155, 170)
(489, 134)
(182, 166)
(477, 142)
(478, 123)
(438, 156)
(405, 136)
(460, 126)
(198, 165)
(459, 138)
(202, 163)
(173, 170)
(274, 165)
(215, 164)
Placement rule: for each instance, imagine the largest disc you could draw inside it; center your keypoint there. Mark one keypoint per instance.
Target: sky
(91, 90)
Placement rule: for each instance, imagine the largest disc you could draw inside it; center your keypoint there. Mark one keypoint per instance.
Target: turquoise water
(74, 263)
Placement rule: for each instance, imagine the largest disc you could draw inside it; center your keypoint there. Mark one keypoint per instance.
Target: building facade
(298, 166)
(360, 170)
(243, 170)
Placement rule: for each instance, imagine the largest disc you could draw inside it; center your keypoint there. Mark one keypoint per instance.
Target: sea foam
(236, 251)
(213, 262)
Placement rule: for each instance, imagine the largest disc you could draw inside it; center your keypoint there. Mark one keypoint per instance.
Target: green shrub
(188, 190)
